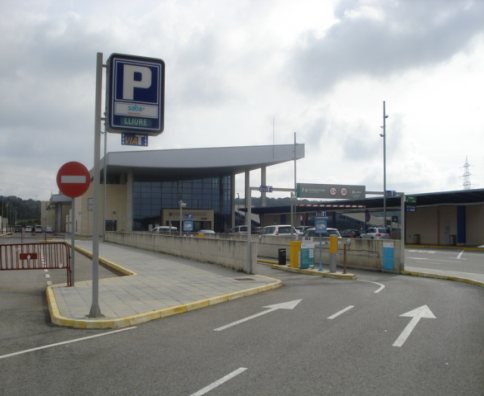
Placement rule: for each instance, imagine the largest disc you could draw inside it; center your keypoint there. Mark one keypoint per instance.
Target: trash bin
(294, 249)
(281, 256)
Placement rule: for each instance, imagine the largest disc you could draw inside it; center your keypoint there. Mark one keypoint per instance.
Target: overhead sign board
(135, 94)
(133, 139)
(263, 188)
(73, 179)
(336, 191)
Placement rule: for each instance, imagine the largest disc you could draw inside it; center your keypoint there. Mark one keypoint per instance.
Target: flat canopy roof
(201, 161)
(460, 197)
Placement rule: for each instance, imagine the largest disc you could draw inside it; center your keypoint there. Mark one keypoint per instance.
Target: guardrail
(36, 256)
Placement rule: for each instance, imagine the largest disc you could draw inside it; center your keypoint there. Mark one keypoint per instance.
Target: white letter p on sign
(129, 82)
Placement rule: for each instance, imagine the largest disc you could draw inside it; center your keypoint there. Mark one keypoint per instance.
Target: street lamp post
(384, 136)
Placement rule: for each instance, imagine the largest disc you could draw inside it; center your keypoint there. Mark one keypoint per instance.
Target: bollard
(333, 251)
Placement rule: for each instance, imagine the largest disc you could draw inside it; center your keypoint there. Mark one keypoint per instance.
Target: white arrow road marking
(459, 256)
(219, 382)
(382, 286)
(416, 314)
(271, 308)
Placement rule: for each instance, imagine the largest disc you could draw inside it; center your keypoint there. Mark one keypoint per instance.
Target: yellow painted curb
(114, 266)
(443, 277)
(314, 272)
(144, 317)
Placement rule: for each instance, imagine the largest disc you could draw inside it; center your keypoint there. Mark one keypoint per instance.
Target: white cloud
(321, 69)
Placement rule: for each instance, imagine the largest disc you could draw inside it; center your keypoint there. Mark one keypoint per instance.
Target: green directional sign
(410, 200)
(336, 191)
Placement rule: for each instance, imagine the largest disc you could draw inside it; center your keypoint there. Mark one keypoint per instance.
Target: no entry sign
(73, 179)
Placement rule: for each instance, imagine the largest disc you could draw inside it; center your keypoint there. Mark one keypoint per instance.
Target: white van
(165, 230)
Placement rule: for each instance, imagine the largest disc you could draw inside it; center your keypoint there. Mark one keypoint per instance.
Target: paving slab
(153, 286)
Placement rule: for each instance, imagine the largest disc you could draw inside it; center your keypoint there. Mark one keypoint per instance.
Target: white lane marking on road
(418, 258)
(459, 256)
(271, 308)
(382, 286)
(416, 314)
(64, 342)
(47, 276)
(49, 283)
(219, 382)
(335, 315)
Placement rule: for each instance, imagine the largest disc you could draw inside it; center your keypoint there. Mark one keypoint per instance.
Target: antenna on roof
(467, 175)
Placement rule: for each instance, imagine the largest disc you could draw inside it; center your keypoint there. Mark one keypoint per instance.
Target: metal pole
(73, 242)
(293, 202)
(249, 234)
(384, 167)
(105, 184)
(95, 310)
(402, 231)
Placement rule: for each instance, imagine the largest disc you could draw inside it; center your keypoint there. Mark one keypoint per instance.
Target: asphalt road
(447, 260)
(339, 339)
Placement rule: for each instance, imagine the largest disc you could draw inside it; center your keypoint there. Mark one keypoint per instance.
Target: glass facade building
(150, 197)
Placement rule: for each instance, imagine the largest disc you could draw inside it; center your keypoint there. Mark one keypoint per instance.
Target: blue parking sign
(320, 224)
(135, 94)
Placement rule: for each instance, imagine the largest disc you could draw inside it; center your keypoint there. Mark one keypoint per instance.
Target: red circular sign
(73, 179)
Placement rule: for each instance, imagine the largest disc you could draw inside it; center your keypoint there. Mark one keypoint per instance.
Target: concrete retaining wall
(232, 252)
(225, 252)
(360, 253)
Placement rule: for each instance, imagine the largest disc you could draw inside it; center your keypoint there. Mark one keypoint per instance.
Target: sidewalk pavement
(457, 276)
(157, 286)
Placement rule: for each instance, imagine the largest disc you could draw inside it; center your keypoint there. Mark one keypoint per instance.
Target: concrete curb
(127, 321)
(443, 277)
(313, 272)
(110, 264)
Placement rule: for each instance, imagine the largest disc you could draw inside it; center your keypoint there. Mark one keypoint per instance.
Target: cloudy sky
(253, 72)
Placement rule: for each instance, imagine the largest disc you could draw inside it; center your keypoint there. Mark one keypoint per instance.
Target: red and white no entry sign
(73, 179)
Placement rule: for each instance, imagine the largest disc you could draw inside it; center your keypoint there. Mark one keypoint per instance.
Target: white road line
(382, 286)
(64, 342)
(47, 276)
(335, 315)
(459, 256)
(49, 283)
(219, 382)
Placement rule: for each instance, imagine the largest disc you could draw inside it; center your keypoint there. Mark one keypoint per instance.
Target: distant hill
(20, 211)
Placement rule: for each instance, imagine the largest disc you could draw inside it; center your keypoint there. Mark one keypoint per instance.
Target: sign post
(73, 180)
(320, 227)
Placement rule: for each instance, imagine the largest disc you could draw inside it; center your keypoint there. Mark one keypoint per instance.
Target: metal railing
(36, 256)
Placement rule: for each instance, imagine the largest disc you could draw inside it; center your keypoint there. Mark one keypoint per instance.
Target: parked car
(242, 229)
(282, 229)
(350, 233)
(48, 229)
(311, 232)
(38, 228)
(302, 229)
(206, 232)
(28, 229)
(376, 233)
(165, 230)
